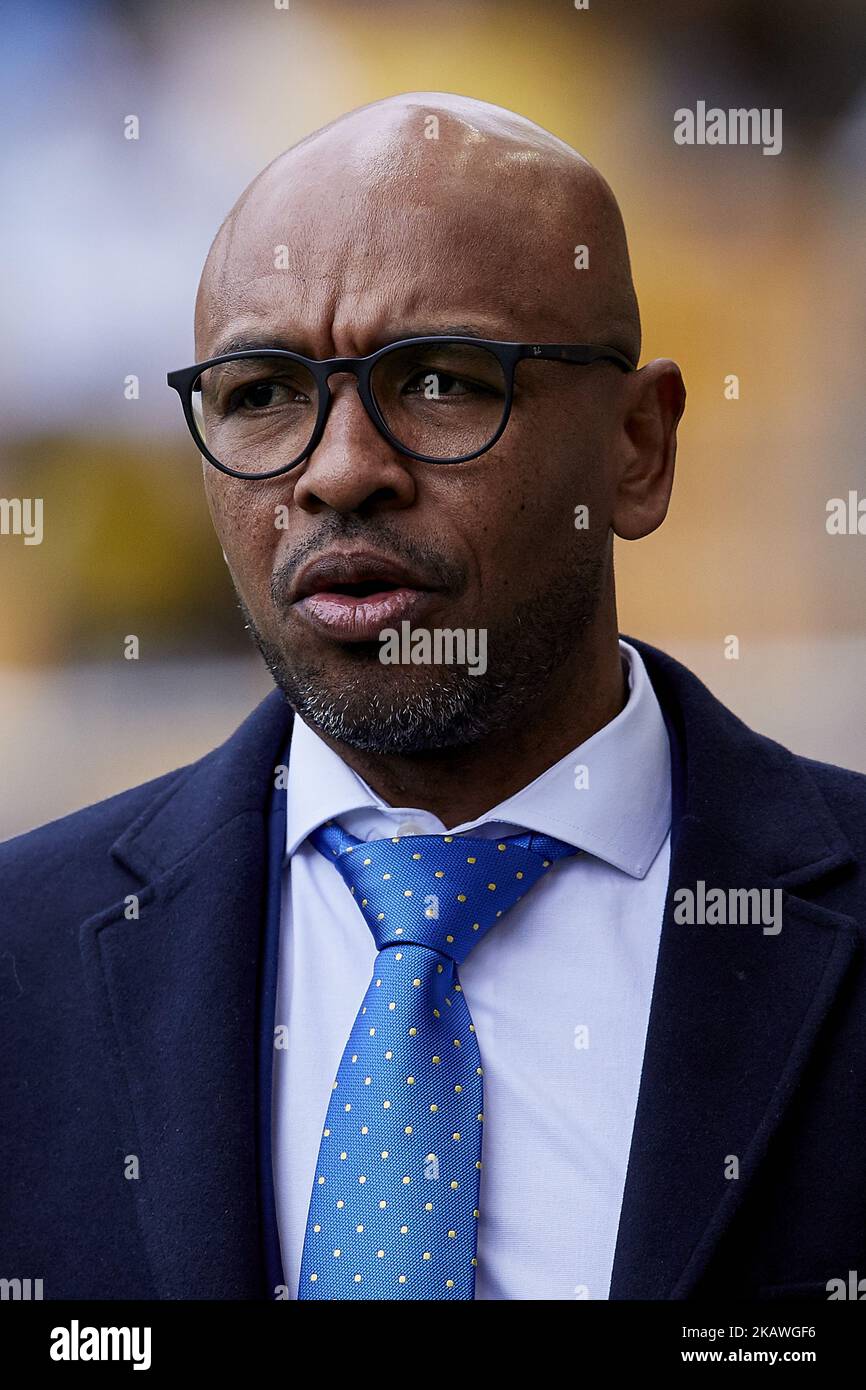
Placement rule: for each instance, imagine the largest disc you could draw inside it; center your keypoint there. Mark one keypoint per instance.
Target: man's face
(377, 251)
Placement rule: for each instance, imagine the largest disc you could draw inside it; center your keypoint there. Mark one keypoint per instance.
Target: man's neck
(460, 784)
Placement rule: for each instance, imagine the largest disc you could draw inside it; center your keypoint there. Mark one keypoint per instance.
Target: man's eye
(434, 385)
(264, 395)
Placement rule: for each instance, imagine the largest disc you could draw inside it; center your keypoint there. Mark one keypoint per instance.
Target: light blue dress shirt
(559, 992)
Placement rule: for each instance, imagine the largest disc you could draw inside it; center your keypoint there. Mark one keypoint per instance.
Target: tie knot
(440, 891)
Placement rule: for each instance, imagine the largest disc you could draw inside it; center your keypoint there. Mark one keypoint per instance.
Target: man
(502, 872)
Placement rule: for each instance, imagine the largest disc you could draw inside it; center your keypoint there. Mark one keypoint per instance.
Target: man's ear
(655, 399)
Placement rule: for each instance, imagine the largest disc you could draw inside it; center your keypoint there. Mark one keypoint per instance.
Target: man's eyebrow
(268, 340)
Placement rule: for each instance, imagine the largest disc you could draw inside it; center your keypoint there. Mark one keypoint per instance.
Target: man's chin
(401, 715)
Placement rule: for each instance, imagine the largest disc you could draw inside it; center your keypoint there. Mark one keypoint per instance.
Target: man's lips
(352, 597)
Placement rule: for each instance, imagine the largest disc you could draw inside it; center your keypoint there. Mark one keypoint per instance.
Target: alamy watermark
(736, 126)
(729, 907)
(443, 646)
(22, 516)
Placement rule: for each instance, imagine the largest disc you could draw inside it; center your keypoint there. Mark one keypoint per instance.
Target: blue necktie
(394, 1209)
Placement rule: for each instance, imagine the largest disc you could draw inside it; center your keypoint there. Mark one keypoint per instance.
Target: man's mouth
(353, 597)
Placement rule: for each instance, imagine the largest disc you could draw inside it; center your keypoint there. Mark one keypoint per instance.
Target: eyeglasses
(256, 414)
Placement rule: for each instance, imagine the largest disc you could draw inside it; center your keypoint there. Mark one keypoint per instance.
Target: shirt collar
(610, 797)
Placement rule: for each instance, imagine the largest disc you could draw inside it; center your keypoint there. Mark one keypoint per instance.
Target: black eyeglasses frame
(508, 354)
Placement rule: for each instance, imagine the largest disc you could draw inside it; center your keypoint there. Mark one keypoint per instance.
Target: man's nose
(353, 467)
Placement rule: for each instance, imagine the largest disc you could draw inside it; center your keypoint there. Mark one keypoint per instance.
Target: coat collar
(734, 1012)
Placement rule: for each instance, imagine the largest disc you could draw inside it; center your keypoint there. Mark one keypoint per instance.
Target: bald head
(418, 186)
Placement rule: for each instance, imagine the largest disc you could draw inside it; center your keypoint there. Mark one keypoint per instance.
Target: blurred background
(745, 264)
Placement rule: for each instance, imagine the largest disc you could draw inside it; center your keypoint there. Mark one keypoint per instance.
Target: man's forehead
(382, 272)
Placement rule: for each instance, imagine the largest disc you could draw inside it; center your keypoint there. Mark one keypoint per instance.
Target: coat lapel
(735, 1012)
(175, 996)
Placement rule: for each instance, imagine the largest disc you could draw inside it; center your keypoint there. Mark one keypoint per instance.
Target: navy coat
(135, 1044)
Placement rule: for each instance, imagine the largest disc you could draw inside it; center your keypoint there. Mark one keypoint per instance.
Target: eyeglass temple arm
(581, 356)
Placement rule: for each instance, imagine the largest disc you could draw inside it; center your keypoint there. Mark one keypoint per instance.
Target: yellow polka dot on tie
(440, 873)
(368, 861)
(395, 839)
(454, 1186)
(357, 1278)
(321, 1180)
(382, 1206)
(428, 1206)
(380, 917)
(500, 846)
(416, 856)
(546, 864)
(337, 1254)
(392, 1005)
(461, 897)
(480, 1118)
(471, 859)
(385, 876)
(364, 1129)
(492, 887)
(327, 1133)
(476, 1213)
(367, 1080)
(436, 1013)
(372, 1032)
(340, 1204)
(363, 902)
(313, 1278)
(451, 1235)
(475, 926)
(407, 1129)
(455, 1135)
(449, 938)
(416, 983)
(410, 1081)
(359, 1229)
(407, 1180)
(402, 1279)
(458, 1088)
(344, 1155)
(386, 1105)
(413, 1032)
(388, 1056)
(380, 1254)
(474, 1263)
(456, 1042)
(407, 893)
(434, 1109)
(347, 1107)
(404, 1230)
(361, 1178)
(426, 1255)
(449, 1283)
(399, 955)
(317, 1229)
(439, 969)
(384, 1153)
(519, 874)
(437, 1059)
(448, 839)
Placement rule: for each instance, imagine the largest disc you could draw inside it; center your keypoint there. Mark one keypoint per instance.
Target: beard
(358, 701)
